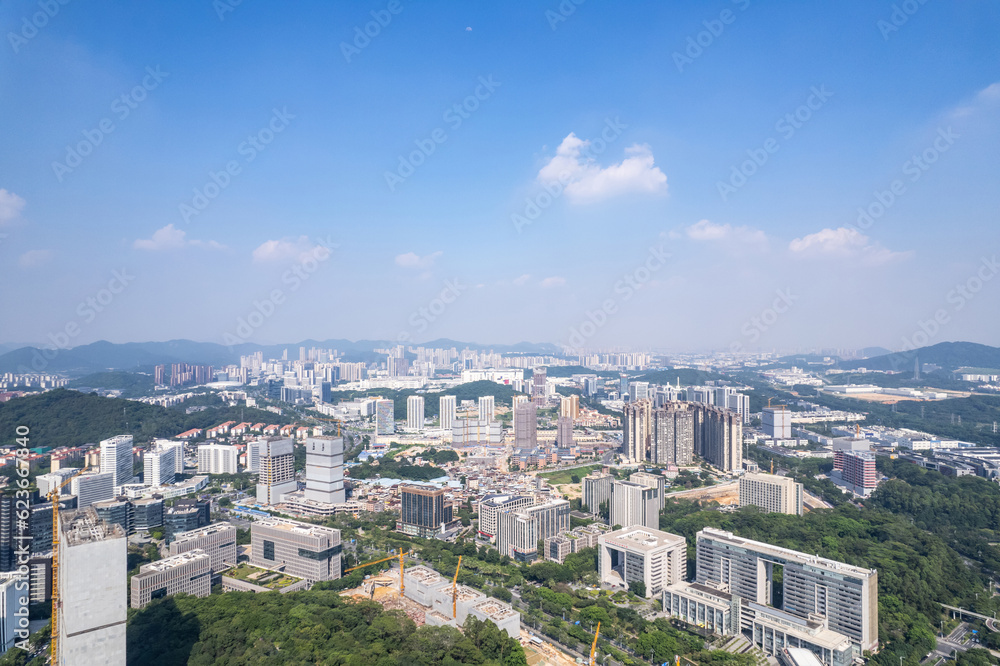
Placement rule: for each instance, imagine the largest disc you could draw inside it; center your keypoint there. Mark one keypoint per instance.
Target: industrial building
(188, 573)
(638, 554)
(217, 540)
(774, 494)
(308, 551)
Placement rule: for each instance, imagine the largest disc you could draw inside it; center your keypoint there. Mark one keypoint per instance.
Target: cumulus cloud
(11, 206)
(414, 260)
(550, 282)
(284, 249)
(171, 238)
(708, 231)
(33, 258)
(585, 180)
(843, 242)
(522, 280)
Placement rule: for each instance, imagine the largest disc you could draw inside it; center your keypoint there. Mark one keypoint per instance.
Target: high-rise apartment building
(423, 510)
(525, 425)
(856, 471)
(777, 422)
(277, 470)
(217, 459)
(538, 395)
(385, 417)
(487, 408)
(520, 530)
(597, 491)
(569, 406)
(673, 434)
(847, 596)
(774, 494)
(325, 469)
(634, 505)
(446, 412)
(564, 432)
(415, 412)
(116, 459)
(93, 581)
(637, 430)
(718, 437)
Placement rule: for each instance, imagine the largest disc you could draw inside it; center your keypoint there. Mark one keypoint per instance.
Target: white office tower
(93, 589)
(633, 504)
(415, 412)
(90, 488)
(385, 417)
(217, 459)
(325, 469)
(525, 425)
(11, 596)
(178, 448)
(116, 459)
(777, 422)
(487, 408)
(159, 466)
(639, 555)
(49, 482)
(253, 454)
(638, 391)
(277, 470)
(447, 411)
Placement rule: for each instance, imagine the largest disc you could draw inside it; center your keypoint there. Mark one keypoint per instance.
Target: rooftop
(787, 553)
(84, 526)
(174, 561)
(642, 538)
(214, 528)
(297, 527)
(495, 610)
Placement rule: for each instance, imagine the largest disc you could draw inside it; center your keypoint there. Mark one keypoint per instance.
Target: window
(268, 550)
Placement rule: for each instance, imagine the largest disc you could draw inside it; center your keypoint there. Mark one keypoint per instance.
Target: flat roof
(174, 561)
(296, 526)
(787, 553)
(424, 575)
(642, 538)
(495, 610)
(214, 528)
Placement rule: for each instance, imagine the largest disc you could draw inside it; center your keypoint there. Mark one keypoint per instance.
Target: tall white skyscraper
(325, 469)
(447, 410)
(159, 466)
(217, 459)
(116, 459)
(487, 408)
(634, 504)
(11, 594)
(253, 454)
(415, 412)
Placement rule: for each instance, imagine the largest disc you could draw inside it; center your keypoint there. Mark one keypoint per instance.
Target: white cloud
(844, 242)
(11, 206)
(171, 238)
(285, 249)
(414, 260)
(586, 181)
(985, 98)
(522, 280)
(33, 258)
(551, 282)
(706, 230)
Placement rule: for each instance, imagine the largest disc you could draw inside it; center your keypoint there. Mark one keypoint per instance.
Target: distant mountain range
(103, 356)
(949, 355)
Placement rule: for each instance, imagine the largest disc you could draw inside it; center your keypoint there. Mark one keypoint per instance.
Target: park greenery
(398, 467)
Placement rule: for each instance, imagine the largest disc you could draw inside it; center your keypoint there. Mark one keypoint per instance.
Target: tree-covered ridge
(303, 628)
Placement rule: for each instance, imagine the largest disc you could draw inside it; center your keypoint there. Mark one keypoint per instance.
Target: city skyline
(477, 174)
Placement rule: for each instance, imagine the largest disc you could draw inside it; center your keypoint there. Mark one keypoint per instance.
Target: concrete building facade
(277, 470)
(188, 573)
(305, 550)
(633, 504)
(217, 540)
(638, 554)
(774, 494)
(325, 470)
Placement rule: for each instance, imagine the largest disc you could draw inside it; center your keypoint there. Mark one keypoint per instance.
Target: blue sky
(684, 95)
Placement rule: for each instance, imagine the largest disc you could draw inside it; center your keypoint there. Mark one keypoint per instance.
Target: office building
(90, 488)
(634, 505)
(159, 465)
(217, 540)
(777, 422)
(116, 459)
(185, 515)
(117, 511)
(308, 551)
(489, 512)
(520, 530)
(794, 639)
(51, 481)
(673, 434)
(187, 573)
(564, 432)
(558, 548)
(253, 454)
(13, 591)
(597, 491)
(147, 514)
(638, 391)
(415, 412)
(651, 480)
(525, 425)
(325, 469)
(446, 411)
(718, 437)
(855, 471)
(706, 606)
(93, 581)
(774, 494)
(385, 417)
(178, 449)
(846, 595)
(217, 459)
(424, 510)
(639, 554)
(487, 408)
(637, 430)
(277, 470)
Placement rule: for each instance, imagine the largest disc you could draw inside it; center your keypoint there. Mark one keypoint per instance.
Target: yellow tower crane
(53, 497)
(385, 559)
(593, 647)
(454, 590)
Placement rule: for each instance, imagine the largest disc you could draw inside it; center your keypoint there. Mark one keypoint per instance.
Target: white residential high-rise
(277, 470)
(253, 454)
(90, 488)
(116, 459)
(487, 408)
(447, 411)
(325, 469)
(633, 505)
(415, 412)
(93, 587)
(159, 466)
(774, 494)
(217, 459)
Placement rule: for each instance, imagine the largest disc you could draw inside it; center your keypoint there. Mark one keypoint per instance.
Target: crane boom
(454, 590)
(53, 496)
(593, 648)
(385, 559)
